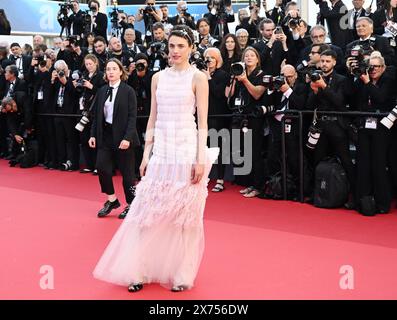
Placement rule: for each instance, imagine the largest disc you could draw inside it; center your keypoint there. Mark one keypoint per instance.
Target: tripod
(64, 25)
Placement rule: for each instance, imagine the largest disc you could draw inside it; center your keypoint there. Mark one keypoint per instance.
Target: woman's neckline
(173, 69)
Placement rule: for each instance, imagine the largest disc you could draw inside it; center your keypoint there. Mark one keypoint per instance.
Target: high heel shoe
(134, 287)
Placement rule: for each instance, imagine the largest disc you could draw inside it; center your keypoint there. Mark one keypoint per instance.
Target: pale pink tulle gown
(162, 238)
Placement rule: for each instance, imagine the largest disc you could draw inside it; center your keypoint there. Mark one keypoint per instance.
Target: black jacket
(334, 16)
(380, 44)
(214, 28)
(26, 61)
(101, 25)
(77, 20)
(332, 98)
(70, 102)
(271, 58)
(379, 18)
(177, 20)
(124, 116)
(217, 100)
(297, 99)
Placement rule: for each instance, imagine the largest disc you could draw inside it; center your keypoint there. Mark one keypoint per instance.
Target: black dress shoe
(350, 205)
(135, 287)
(124, 213)
(108, 206)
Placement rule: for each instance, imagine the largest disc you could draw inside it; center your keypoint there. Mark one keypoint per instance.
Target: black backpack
(274, 187)
(331, 186)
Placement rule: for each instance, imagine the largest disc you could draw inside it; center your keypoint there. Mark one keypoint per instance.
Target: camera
(140, 67)
(315, 75)
(74, 40)
(273, 83)
(388, 121)
(41, 60)
(262, 110)
(198, 61)
(61, 73)
(78, 76)
(310, 70)
(157, 47)
(362, 64)
(278, 30)
(83, 121)
(237, 68)
(219, 6)
(64, 7)
(148, 9)
(313, 136)
(318, 1)
(213, 42)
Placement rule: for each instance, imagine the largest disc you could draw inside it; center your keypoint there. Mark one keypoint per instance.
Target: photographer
(40, 73)
(149, 15)
(165, 12)
(65, 101)
(86, 87)
(99, 22)
(183, 17)
(291, 94)
(273, 47)
(328, 94)
(219, 15)
(230, 51)
(19, 117)
(72, 53)
(374, 92)
(339, 36)
(140, 80)
(369, 41)
(138, 34)
(20, 60)
(100, 52)
(130, 45)
(117, 52)
(72, 18)
(158, 50)
(218, 79)
(250, 23)
(314, 62)
(206, 40)
(242, 38)
(246, 91)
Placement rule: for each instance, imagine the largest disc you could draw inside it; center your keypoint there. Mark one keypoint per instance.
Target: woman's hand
(18, 139)
(92, 142)
(87, 84)
(124, 145)
(242, 78)
(365, 78)
(142, 167)
(197, 173)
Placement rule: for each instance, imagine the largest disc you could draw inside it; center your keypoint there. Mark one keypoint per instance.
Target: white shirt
(109, 105)
(351, 20)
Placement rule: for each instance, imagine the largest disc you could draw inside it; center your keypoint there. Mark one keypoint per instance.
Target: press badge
(148, 33)
(81, 103)
(237, 102)
(371, 123)
(287, 128)
(40, 95)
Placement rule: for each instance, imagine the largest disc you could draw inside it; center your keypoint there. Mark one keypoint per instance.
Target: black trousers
(141, 125)
(224, 157)
(334, 141)
(88, 152)
(372, 176)
(67, 140)
(46, 140)
(106, 156)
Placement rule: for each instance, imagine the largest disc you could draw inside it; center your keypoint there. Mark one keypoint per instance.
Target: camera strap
(314, 121)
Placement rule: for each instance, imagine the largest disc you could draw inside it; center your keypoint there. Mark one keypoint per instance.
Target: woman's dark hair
(222, 48)
(3, 20)
(201, 20)
(183, 31)
(28, 49)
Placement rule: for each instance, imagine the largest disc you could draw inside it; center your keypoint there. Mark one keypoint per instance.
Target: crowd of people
(271, 63)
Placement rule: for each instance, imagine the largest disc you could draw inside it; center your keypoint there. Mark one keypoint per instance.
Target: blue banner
(40, 16)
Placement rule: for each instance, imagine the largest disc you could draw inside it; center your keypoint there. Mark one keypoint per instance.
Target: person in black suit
(74, 22)
(183, 17)
(20, 60)
(371, 42)
(374, 92)
(218, 20)
(99, 20)
(383, 16)
(273, 47)
(130, 45)
(328, 94)
(5, 27)
(114, 134)
(65, 101)
(138, 34)
(218, 79)
(339, 37)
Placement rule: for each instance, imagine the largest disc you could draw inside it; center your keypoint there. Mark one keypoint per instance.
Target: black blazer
(380, 44)
(189, 22)
(334, 16)
(213, 23)
(271, 58)
(101, 25)
(26, 61)
(124, 116)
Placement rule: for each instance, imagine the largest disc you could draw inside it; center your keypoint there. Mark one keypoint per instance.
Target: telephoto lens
(140, 67)
(82, 123)
(388, 121)
(313, 136)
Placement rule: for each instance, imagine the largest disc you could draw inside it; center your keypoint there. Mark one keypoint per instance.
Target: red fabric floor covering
(255, 249)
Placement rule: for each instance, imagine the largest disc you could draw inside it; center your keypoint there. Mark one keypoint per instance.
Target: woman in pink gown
(162, 238)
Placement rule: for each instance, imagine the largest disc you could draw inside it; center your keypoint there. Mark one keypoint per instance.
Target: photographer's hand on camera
(365, 78)
(18, 139)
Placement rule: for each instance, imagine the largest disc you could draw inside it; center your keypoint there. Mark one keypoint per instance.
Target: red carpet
(255, 249)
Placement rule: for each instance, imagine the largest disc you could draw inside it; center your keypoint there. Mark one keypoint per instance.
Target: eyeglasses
(242, 36)
(319, 36)
(314, 52)
(377, 66)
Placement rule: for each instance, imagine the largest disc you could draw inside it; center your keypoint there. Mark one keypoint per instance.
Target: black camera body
(61, 74)
(158, 47)
(198, 61)
(41, 60)
(318, 1)
(309, 70)
(64, 7)
(149, 10)
(140, 67)
(78, 76)
(114, 15)
(237, 68)
(74, 40)
(273, 83)
(362, 65)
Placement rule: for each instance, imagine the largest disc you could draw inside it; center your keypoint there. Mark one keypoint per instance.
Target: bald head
(289, 72)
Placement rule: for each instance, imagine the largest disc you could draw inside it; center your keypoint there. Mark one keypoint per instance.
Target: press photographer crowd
(343, 68)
